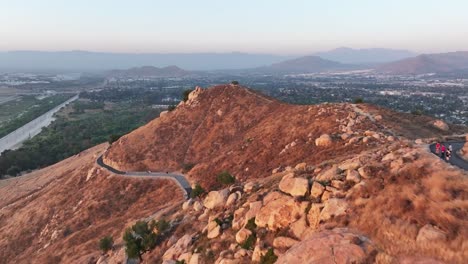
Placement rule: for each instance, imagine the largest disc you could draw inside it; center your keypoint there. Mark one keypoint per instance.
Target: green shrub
(13, 171)
(225, 178)
(113, 138)
(417, 112)
(161, 225)
(249, 243)
(185, 94)
(235, 83)
(251, 225)
(180, 261)
(139, 239)
(106, 243)
(197, 191)
(186, 167)
(269, 257)
(358, 100)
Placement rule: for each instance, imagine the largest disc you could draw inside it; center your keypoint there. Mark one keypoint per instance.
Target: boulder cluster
(255, 218)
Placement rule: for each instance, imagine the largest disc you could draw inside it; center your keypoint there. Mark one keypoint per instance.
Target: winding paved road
(455, 159)
(179, 179)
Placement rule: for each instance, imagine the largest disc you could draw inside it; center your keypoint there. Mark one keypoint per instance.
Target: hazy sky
(266, 26)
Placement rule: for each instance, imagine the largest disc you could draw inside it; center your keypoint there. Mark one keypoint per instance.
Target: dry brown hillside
(232, 128)
(329, 183)
(58, 214)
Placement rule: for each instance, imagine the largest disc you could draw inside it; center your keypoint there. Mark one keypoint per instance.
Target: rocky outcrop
(333, 208)
(178, 248)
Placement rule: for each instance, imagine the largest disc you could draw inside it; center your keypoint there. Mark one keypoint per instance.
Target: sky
(256, 26)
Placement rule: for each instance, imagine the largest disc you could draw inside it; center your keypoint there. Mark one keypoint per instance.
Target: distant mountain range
(306, 64)
(100, 61)
(340, 59)
(428, 63)
(150, 71)
(365, 56)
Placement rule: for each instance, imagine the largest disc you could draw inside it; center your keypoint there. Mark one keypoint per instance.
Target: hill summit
(275, 183)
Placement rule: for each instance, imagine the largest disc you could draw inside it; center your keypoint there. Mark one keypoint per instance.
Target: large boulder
(294, 186)
(330, 246)
(323, 141)
(216, 199)
(278, 211)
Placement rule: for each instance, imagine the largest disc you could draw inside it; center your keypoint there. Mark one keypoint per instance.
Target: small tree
(235, 83)
(185, 94)
(225, 178)
(106, 243)
(113, 138)
(139, 239)
(197, 191)
(171, 108)
(13, 170)
(358, 100)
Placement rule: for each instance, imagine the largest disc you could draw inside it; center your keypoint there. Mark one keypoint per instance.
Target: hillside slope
(233, 128)
(58, 214)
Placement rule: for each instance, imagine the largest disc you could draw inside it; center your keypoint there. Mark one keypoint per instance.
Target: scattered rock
(214, 230)
(429, 233)
(232, 199)
(350, 165)
(353, 175)
(316, 191)
(279, 211)
(248, 187)
(323, 141)
(301, 166)
(330, 174)
(242, 235)
(284, 242)
(294, 186)
(216, 199)
(197, 206)
(440, 125)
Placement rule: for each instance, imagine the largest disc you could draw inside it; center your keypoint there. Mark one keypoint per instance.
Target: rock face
(279, 211)
(441, 125)
(336, 246)
(216, 199)
(323, 141)
(294, 186)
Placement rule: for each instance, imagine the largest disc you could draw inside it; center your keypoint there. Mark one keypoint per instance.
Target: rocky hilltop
(329, 183)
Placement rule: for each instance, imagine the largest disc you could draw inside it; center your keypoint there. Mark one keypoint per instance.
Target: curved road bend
(455, 159)
(179, 179)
